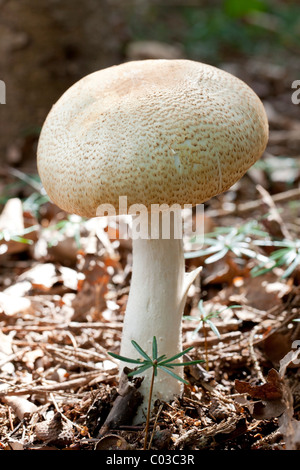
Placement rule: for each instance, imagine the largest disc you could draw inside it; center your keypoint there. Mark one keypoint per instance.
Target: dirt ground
(63, 290)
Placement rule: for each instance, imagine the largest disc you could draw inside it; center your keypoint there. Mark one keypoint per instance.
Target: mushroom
(170, 132)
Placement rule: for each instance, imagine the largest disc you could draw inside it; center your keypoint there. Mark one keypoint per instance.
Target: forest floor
(64, 284)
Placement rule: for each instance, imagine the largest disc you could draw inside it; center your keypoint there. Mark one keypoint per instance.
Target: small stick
(253, 355)
(10, 419)
(274, 213)
(211, 341)
(154, 426)
(76, 383)
(63, 326)
(251, 205)
(62, 415)
(205, 343)
(149, 408)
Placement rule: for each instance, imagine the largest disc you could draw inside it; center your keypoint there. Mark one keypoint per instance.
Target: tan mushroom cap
(156, 131)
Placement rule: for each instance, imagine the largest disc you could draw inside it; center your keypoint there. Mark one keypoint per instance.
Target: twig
(251, 205)
(68, 384)
(12, 357)
(10, 419)
(149, 409)
(66, 358)
(154, 426)
(274, 213)
(205, 343)
(63, 326)
(254, 356)
(203, 436)
(14, 431)
(267, 440)
(226, 337)
(27, 179)
(80, 428)
(72, 338)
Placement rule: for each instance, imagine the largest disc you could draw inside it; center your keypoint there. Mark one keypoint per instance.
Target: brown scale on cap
(156, 131)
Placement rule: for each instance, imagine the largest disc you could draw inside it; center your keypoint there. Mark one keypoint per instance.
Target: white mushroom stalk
(158, 291)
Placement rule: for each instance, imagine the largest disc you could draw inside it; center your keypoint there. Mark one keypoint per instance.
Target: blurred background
(47, 45)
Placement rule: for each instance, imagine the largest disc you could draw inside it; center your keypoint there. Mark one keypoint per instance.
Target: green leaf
(25, 241)
(217, 256)
(213, 314)
(213, 328)
(170, 372)
(201, 308)
(238, 8)
(141, 351)
(196, 330)
(126, 359)
(154, 349)
(176, 356)
(161, 357)
(203, 252)
(292, 267)
(139, 370)
(259, 271)
(279, 253)
(188, 317)
(31, 229)
(248, 252)
(180, 364)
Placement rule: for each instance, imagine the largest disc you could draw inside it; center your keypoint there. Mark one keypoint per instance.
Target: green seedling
(34, 202)
(205, 319)
(7, 235)
(156, 362)
(288, 254)
(237, 240)
(286, 167)
(72, 224)
(30, 180)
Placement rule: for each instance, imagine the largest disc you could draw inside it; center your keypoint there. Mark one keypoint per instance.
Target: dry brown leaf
(226, 273)
(255, 292)
(276, 345)
(96, 275)
(271, 390)
(268, 409)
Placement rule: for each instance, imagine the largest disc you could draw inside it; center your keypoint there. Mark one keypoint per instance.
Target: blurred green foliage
(239, 8)
(217, 30)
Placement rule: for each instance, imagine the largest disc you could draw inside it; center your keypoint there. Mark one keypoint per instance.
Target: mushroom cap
(155, 131)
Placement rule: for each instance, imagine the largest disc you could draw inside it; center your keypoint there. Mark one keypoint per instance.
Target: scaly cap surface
(156, 131)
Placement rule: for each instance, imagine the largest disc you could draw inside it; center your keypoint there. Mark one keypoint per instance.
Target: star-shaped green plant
(161, 362)
(287, 254)
(237, 240)
(205, 319)
(156, 362)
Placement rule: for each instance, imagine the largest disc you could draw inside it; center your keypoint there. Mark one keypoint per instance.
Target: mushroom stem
(155, 306)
